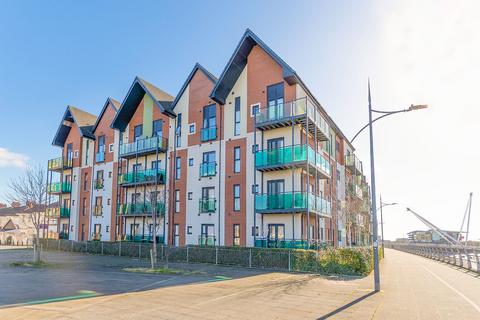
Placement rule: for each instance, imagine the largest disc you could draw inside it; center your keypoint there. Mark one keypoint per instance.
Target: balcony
(289, 243)
(300, 111)
(140, 209)
(98, 184)
(58, 212)
(208, 169)
(204, 240)
(292, 157)
(143, 147)
(59, 187)
(208, 134)
(150, 176)
(98, 210)
(288, 202)
(207, 205)
(355, 191)
(100, 156)
(59, 164)
(143, 238)
(353, 164)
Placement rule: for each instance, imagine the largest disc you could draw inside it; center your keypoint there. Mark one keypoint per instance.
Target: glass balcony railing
(142, 208)
(207, 205)
(100, 156)
(295, 108)
(291, 155)
(98, 184)
(208, 134)
(58, 212)
(144, 146)
(352, 162)
(59, 163)
(143, 238)
(289, 243)
(144, 176)
(204, 240)
(63, 235)
(208, 169)
(287, 201)
(59, 187)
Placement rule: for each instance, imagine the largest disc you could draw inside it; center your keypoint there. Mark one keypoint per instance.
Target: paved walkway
(413, 288)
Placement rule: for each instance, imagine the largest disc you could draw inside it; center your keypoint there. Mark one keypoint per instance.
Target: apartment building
(250, 158)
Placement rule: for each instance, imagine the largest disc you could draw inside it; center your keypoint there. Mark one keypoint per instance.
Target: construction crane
(466, 215)
(445, 236)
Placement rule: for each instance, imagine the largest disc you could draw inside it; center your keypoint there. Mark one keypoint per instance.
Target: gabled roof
(110, 101)
(82, 119)
(135, 94)
(238, 61)
(197, 67)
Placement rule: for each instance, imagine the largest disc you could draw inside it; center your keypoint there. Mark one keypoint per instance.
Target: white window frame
(254, 105)
(75, 154)
(194, 128)
(110, 148)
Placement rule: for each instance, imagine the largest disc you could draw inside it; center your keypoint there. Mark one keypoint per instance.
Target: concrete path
(413, 288)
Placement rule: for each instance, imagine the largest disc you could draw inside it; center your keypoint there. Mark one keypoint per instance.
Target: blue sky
(80, 52)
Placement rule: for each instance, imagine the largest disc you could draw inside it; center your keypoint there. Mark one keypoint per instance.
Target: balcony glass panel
(206, 240)
(100, 157)
(142, 176)
(58, 187)
(208, 169)
(142, 208)
(144, 145)
(207, 205)
(208, 134)
(292, 200)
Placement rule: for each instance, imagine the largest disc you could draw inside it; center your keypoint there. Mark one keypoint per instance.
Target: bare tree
(350, 212)
(30, 189)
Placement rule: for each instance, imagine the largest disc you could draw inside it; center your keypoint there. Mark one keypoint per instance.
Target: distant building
(430, 236)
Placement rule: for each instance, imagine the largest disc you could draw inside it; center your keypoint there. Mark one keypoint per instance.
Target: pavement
(413, 287)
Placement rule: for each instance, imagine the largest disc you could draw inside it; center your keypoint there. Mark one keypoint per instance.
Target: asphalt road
(77, 275)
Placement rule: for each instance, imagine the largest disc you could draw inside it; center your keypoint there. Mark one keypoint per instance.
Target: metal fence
(460, 256)
(279, 259)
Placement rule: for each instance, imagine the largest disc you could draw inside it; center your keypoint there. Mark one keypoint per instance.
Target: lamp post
(382, 204)
(376, 270)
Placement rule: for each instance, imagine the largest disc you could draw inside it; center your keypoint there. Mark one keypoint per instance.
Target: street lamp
(382, 204)
(372, 175)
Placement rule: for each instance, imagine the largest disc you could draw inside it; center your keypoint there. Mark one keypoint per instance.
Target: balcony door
(275, 194)
(209, 116)
(275, 101)
(274, 153)
(69, 154)
(208, 234)
(276, 232)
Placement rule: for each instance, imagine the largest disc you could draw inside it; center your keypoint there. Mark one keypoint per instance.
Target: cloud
(12, 159)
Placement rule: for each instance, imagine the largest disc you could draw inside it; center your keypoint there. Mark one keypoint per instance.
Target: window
(177, 201)
(75, 154)
(136, 168)
(190, 162)
(254, 148)
(191, 128)
(236, 197)
(85, 181)
(210, 116)
(339, 235)
(190, 195)
(84, 206)
(236, 159)
(255, 231)
(236, 130)
(157, 128)
(178, 168)
(74, 177)
(254, 109)
(236, 234)
(73, 203)
(87, 152)
(110, 174)
(107, 229)
(189, 230)
(135, 198)
(110, 147)
(108, 202)
(69, 153)
(100, 175)
(176, 234)
(178, 131)
(98, 206)
(254, 188)
(156, 164)
(137, 132)
(101, 144)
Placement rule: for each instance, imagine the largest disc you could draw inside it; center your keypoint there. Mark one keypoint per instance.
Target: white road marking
(473, 304)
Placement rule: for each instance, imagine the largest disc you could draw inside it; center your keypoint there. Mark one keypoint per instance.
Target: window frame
(237, 161)
(236, 198)
(236, 117)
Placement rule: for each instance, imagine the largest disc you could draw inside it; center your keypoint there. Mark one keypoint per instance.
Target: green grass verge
(163, 270)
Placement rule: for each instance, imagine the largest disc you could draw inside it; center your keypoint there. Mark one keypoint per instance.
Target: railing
(290, 155)
(290, 243)
(98, 184)
(100, 156)
(64, 212)
(292, 200)
(59, 187)
(143, 208)
(208, 169)
(143, 238)
(286, 110)
(460, 256)
(355, 190)
(63, 235)
(207, 205)
(59, 163)
(204, 240)
(353, 162)
(98, 210)
(142, 176)
(207, 134)
(144, 145)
